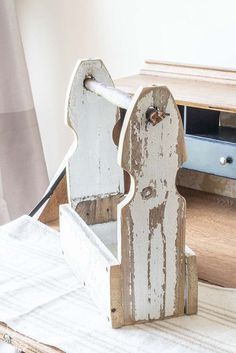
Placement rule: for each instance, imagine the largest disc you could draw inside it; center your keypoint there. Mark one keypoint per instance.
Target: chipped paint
(150, 156)
(92, 168)
(147, 281)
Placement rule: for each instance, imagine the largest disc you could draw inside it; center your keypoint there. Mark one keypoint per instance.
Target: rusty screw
(155, 115)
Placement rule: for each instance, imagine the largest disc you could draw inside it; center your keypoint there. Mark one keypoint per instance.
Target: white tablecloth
(40, 297)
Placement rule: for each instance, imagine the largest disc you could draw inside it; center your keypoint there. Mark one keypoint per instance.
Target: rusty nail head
(154, 115)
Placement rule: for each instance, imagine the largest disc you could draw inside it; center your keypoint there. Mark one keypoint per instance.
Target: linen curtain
(23, 174)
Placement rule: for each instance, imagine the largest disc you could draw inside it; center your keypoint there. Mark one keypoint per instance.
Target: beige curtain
(23, 175)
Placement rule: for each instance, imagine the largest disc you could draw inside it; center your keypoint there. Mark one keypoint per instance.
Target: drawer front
(211, 156)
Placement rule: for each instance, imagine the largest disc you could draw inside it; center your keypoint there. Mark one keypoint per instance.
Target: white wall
(123, 33)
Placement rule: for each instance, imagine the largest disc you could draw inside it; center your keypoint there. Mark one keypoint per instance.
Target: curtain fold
(23, 173)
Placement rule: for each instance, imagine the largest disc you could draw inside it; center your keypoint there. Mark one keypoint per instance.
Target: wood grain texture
(50, 213)
(54, 225)
(191, 285)
(211, 234)
(92, 169)
(201, 87)
(228, 119)
(23, 343)
(151, 219)
(206, 182)
(99, 210)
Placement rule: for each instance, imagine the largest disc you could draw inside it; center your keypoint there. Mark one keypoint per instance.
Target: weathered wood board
(191, 276)
(92, 168)
(93, 263)
(50, 213)
(208, 183)
(151, 219)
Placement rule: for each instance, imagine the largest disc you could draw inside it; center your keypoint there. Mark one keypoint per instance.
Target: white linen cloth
(40, 297)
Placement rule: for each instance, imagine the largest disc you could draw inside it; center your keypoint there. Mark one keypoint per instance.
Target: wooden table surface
(190, 92)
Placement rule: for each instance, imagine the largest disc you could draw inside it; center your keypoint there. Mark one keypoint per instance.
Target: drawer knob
(226, 160)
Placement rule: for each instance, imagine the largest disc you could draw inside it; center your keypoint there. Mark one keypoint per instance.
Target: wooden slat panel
(99, 210)
(153, 214)
(93, 264)
(191, 285)
(92, 169)
(213, 184)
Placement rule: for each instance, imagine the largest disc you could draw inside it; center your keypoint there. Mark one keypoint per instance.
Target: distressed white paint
(92, 168)
(173, 204)
(107, 233)
(142, 270)
(88, 257)
(158, 168)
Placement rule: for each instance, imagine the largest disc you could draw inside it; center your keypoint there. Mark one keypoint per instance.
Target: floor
(211, 233)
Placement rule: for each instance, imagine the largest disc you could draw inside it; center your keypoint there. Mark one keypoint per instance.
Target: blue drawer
(211, 156)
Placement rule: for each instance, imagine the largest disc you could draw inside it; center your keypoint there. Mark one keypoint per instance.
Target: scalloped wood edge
(149, 284)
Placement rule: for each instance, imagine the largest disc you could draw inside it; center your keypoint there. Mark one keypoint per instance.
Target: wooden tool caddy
(207, 182)
(123, 232)
(206, 100)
